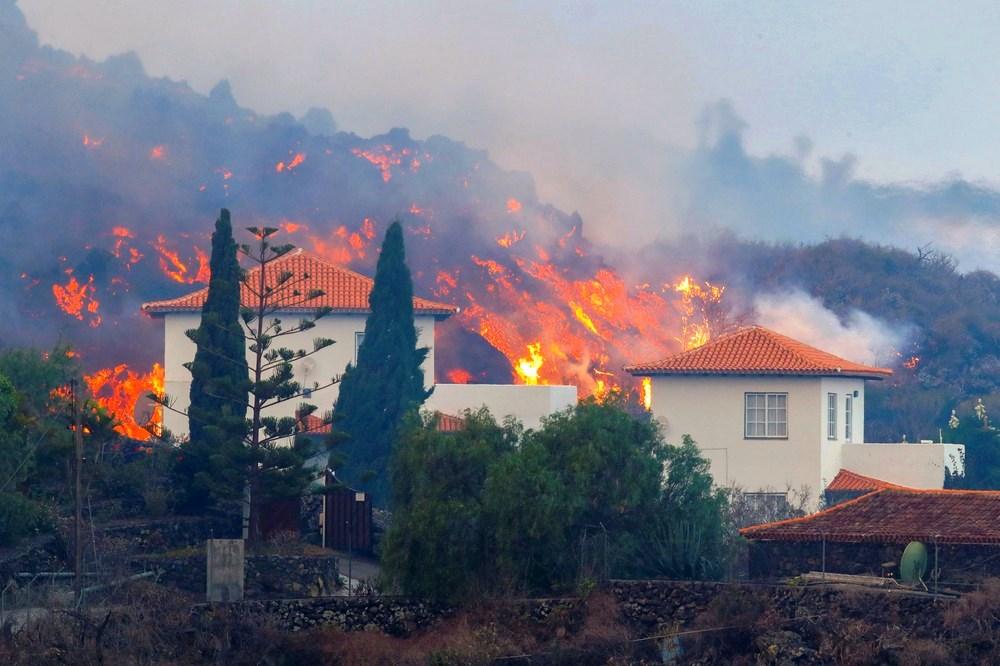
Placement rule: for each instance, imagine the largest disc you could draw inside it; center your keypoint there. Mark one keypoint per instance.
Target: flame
(510, 238)
(291, 227)
(527, 368)
(122, 236)
(92, 142)
(696, 333)
(119, 390)
(578, 325)
(513, 206)
(298, 159)
(385, 158)
(912, 362)
(158, 152)
(344, 245)
(176, 269)
(647, 393)
(77, 299)
(459, 376)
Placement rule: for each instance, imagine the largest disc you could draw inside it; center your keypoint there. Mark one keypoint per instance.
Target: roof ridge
(756, 349)
(809, 516)
(876, 482)
(339, 284)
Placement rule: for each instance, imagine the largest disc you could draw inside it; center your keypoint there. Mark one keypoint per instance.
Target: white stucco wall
(711, 410)
(832, 450)
(913, 465)
(527, 403)
(319, 368)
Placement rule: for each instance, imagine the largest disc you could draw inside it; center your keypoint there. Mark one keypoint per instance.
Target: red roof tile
(848, 480)
(344, 290)
(311, 424)
(757, 351)
(449, 423)
(896, 515)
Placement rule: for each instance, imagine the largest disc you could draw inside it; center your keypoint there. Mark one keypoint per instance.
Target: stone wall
(958, 563)
(267, 576)
(392, 615)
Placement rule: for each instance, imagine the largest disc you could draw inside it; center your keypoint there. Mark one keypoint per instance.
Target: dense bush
(594, 492)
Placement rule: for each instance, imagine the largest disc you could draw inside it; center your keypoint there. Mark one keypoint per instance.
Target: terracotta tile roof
(896, 515)
(345, 290)
(846, 480)
(449, 422)
(311, 424)
(757, 351)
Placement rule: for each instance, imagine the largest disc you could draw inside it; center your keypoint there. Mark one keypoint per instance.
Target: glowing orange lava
(296, 160)
(77, 299)
(176, 269)
(459, 376)
(510, 238)
(120, 391)
(527, 368)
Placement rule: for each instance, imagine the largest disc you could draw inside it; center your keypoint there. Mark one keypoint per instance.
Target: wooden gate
(348, 523)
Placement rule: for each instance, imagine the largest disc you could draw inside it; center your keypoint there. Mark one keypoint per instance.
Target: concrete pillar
(225, 569)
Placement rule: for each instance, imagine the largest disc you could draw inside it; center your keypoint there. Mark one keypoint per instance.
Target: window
(358, 339)
(831, 416)
(766, 416)
(848, 414)
(764, 506)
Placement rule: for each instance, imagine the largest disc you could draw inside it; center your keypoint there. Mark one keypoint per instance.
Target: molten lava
(77, 299)
(527, 368)
(459, 376)
(385, 158)
(120, 391)
(296, 160)
(178, 270)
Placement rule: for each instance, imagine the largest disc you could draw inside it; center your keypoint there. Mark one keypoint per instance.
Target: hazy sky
(588, 96)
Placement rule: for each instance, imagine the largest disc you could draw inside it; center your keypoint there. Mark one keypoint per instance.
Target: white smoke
(859, 337)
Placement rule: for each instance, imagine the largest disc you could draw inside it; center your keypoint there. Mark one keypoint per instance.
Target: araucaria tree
(275, 469)
(237, 447)
(387, 383)
(211, 468)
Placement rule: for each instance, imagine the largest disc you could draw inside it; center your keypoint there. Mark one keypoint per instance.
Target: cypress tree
(212, 465)
(387, 382)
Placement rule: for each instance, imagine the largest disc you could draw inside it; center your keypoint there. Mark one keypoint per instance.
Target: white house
(346, 293)
(771, 414)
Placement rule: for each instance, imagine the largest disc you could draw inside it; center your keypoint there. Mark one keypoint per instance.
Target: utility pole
(78, 505)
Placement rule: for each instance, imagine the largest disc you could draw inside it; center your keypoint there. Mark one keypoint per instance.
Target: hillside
(111, 179)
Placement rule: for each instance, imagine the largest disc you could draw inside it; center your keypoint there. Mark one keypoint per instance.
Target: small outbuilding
(960, 530)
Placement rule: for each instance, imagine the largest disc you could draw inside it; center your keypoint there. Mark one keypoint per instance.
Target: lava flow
(121, 391)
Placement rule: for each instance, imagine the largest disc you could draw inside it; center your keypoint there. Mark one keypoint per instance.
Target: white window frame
(359, 337)
(765, 415)
(849, 418)
(831, 416)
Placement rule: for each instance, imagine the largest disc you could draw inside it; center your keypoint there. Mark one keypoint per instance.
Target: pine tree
(211, 464)
(387, 382)
(275, 469)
